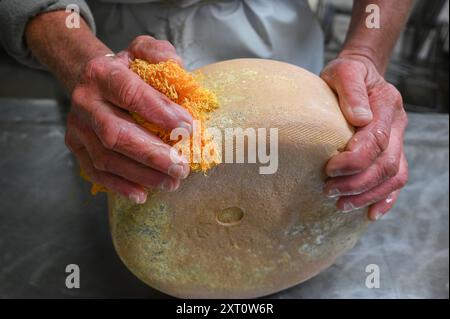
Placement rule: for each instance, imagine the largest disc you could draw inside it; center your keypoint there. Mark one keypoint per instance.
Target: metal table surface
(48, 220)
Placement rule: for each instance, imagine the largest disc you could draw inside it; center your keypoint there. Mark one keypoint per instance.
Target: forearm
(63, 50)
(372, 43)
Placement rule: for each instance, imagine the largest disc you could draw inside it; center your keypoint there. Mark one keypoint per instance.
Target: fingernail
(168, 185)
(378, 216)
(362, 112)
(335, 173)
(332, 193)
(389, 199)
(186, 126)
(138, 198)
(347, 172)
(348, 207)
(178, 171)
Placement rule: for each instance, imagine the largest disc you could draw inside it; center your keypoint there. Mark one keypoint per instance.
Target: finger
(125, 89)
(115, 183)
(385, 167)
(72, 142)
(154, 51)
(350, 203)
(119, 133)
(348, 81)
(109, 161)
(370, 141)
(123, 57)
(381, 208)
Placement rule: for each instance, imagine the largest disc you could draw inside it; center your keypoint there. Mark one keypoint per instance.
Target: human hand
(110, 147)
(373, 168)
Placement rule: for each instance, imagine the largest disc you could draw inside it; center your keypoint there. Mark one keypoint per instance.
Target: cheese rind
(236, 233)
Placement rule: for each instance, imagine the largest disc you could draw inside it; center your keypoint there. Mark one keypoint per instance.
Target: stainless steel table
(48, 220)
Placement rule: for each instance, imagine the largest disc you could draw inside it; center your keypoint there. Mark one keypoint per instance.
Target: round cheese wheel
(234, 232)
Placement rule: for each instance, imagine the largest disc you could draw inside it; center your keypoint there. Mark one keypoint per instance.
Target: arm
(64, 51)
(376, 44)
(110, 147)
(373, 168)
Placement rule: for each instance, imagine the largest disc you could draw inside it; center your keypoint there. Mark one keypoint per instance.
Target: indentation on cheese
(183, 88)
(230, 216)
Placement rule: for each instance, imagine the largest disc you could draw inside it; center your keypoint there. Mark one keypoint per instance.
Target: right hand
(110, 147)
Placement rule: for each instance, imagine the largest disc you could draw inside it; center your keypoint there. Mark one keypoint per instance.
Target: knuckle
(341, 69)
(401, 180)
(109, 138)
(388, 92)
(93, 67)
(78, 95)
(389, 168)
(405, 178)
(140, 40)
(396, 96)
(379, 139)
(333, 71)
(402, 117)
(106, 132)
(130, 94)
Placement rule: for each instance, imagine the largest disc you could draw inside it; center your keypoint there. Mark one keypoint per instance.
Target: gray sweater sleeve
(14, 16)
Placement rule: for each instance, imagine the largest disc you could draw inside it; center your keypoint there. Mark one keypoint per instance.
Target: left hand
(373, 168)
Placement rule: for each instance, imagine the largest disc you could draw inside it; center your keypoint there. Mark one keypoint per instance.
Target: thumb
(348, 81)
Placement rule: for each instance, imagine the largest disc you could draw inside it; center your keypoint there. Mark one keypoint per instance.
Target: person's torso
(206, 31)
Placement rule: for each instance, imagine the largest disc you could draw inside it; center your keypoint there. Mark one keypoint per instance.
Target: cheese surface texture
(237, 233)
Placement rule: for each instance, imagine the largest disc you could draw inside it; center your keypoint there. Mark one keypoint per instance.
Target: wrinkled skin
(110, 147)
(373, 168)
